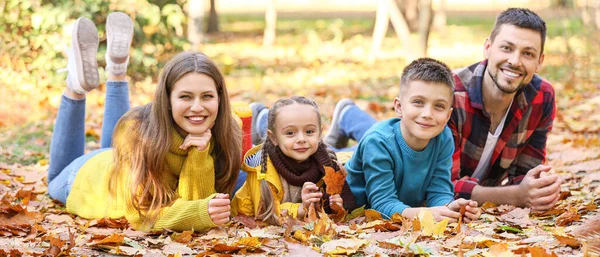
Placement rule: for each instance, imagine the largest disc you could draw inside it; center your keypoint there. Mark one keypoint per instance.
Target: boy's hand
(336, 199)
(442, 212)
(539, 190)
(472, 212)
(200, 141)
(218, 209)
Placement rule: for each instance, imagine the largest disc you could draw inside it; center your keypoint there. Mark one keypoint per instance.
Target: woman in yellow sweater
(171, 164)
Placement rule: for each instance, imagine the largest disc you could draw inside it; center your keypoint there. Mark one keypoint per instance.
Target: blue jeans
(68, 139)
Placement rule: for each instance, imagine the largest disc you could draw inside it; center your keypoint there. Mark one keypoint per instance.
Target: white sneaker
(119, 33)
(82, 65)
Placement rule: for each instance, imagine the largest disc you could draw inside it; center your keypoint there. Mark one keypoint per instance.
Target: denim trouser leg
(116, 104)
(355, 123)
(68, 139)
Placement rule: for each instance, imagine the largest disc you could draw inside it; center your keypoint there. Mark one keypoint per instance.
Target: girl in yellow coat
(173, 162)
(284, 171)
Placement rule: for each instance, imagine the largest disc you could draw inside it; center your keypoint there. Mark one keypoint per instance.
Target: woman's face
(194, 103)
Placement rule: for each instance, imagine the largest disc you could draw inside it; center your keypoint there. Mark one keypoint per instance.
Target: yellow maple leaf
(499, 250)
(428, 225)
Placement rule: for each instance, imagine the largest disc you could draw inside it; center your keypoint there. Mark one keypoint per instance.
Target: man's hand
(218, 209)
(200, 141)
(539, 190)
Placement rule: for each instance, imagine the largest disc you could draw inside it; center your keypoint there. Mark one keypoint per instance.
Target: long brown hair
(265, 209)
(144, 153)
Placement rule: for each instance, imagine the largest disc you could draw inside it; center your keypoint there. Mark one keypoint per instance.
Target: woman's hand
(336, 199)
(218, 209)
(200, 141)
(310, 194)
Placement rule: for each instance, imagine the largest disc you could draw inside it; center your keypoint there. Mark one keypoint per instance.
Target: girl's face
(296, 131)
(194, 103)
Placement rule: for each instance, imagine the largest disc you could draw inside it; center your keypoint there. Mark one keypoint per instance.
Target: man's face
(513, 57)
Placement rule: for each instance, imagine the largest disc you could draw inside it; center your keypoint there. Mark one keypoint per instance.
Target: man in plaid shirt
(502, 114)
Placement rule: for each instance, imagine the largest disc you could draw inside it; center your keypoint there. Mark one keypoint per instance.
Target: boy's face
(425, 108)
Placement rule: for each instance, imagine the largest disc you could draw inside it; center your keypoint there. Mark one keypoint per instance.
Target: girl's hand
(200, 141)
(336, 199)
(310, 194)
(218, 209)
(442, 212)
(472, 211)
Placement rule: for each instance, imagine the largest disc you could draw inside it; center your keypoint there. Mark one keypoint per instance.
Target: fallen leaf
(183, 237)
(342, 246)
(428, 225)
(223, 248)
(334, 181)
(498, 250)
(537, 251)
(569, 216)
(372, 215)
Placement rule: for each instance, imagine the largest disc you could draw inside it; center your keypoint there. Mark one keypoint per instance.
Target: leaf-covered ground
(325, 60)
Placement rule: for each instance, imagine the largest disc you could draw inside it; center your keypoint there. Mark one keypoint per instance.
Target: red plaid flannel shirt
(522, 143)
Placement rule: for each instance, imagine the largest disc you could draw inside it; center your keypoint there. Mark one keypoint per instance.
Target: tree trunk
(213, 19)
(270, 24)
(388, 10)
(440, 18)
(425, 20)
(410, 9)
(195, 28)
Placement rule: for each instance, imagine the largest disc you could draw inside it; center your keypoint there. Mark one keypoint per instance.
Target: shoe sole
(332, 140)
(119, 33)
(85, 46)
(256, 108)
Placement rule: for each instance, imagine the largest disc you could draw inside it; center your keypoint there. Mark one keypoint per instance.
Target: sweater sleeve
(291, 208)
(185, 215)
(378, 168)
(440, 189)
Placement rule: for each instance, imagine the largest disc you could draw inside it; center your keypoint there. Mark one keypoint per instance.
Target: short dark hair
(522, 18)
(428, 70)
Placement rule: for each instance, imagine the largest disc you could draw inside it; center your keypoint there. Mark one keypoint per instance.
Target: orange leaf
(372, 215)
(568, 217)
(114, 239)
(334, 181)
(223, 248)
(397, 218)
(537, 251)
(312, 214)
(339, 213)
(184, 237)
(568, 240)
(249, 242)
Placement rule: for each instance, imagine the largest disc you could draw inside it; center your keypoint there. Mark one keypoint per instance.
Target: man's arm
(538, 191)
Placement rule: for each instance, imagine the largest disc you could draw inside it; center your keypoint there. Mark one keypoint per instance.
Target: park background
(268, 49)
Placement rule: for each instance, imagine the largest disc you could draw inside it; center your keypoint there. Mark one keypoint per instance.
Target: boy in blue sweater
(404, 163)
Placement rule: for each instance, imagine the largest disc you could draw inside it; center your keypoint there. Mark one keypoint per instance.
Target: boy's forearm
(497, 195)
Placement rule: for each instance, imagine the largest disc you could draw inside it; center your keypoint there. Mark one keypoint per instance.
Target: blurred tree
(415, 12)
(213, 18)
(388, 10)
(270, 24)
(195, 13)
(590, 13)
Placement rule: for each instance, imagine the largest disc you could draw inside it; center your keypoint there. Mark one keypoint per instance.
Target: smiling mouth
(510, 73)
(301, 150)
(425, 125)
(196, 119)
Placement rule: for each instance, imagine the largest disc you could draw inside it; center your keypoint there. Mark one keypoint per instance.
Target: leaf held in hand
(334, 181)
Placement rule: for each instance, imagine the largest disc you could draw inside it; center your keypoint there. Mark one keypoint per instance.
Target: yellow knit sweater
(191, 172)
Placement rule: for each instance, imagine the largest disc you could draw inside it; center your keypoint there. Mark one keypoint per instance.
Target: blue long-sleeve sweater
(387, 175)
